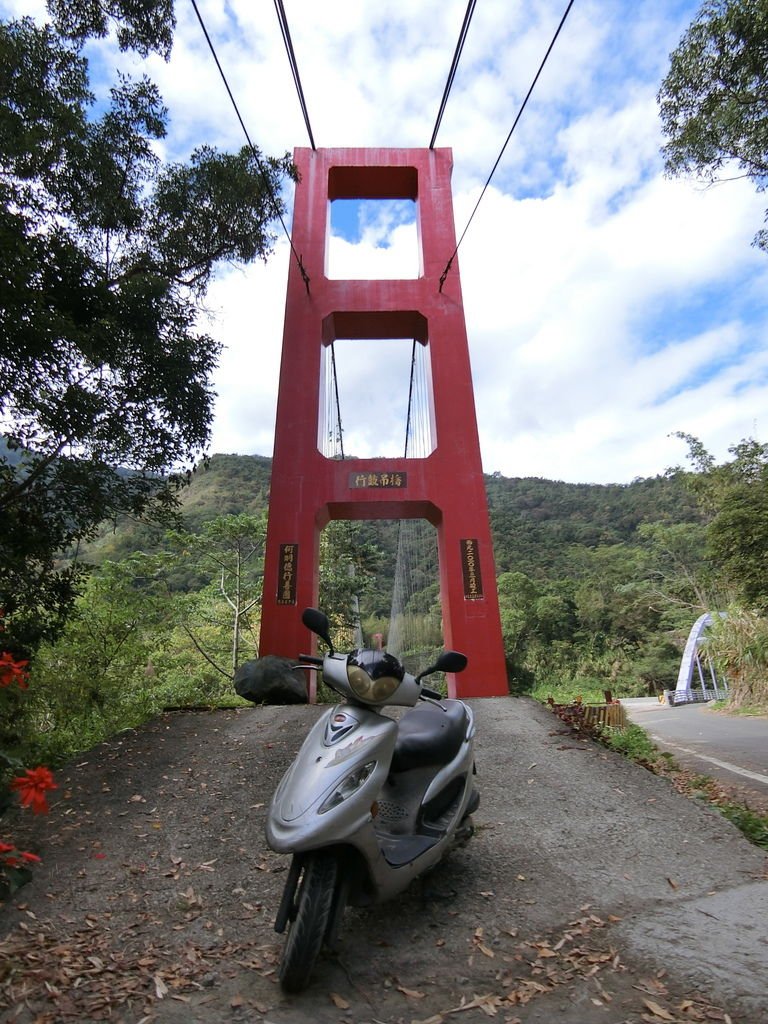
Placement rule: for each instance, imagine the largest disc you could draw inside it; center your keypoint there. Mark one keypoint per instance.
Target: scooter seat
(429, 735)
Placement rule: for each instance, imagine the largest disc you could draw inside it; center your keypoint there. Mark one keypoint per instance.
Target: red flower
(10, 857)
(12, 671)
(32, 788)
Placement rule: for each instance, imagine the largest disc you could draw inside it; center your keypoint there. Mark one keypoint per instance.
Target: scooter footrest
(400, 850)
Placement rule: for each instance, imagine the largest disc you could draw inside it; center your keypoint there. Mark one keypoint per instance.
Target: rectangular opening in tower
(376, 393)
(373, 240)
(376, 399)
(379, 583)
(372, 231)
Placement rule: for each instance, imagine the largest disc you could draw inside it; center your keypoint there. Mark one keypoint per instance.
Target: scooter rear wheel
(308, 928)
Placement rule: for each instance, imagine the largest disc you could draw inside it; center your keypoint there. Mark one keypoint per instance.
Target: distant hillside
(227, 485)
(535, 523)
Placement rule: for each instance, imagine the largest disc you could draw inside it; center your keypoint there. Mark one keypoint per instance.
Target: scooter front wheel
(309, 925)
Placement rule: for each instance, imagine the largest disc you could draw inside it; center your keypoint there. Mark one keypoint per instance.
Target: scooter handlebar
(432, 694)
(309, 659)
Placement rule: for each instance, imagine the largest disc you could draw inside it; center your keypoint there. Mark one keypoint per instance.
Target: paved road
(730, 748)
(592, 892)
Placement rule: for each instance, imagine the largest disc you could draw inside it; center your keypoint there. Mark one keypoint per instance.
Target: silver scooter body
(343, 790)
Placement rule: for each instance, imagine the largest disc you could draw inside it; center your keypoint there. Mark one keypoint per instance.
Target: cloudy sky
(606, 306)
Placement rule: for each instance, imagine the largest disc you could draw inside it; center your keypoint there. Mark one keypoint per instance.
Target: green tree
(680, 573)
(107, 255)
(97, 677)
(229, 551)
(348, 564)
(714, 99)
(735, 497)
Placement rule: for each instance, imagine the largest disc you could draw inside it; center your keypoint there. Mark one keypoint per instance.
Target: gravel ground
(591, 892)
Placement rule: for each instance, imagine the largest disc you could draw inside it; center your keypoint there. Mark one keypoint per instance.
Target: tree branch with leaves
(714, 99)
(105, 374)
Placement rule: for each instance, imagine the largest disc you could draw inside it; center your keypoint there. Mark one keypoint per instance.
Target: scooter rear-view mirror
(318, 623)
(449, 661)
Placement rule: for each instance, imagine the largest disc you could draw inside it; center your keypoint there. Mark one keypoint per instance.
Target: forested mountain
(598, 587)
(590, 577)
(534, 522)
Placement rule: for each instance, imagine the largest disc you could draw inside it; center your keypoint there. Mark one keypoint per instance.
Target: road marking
(713, 760)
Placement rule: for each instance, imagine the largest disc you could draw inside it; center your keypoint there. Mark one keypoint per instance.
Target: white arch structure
(684, 693)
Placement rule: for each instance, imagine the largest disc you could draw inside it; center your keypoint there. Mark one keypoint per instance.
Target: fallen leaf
(236, 1001)
(339, 1001)
(658, 1011)
(410, 992)
(161, 989)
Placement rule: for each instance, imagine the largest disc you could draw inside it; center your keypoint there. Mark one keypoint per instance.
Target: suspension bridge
(435, 488)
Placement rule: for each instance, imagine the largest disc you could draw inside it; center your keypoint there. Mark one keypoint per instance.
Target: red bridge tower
(446, 487)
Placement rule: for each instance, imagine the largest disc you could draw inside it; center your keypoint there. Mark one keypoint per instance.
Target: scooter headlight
(374, 675)
(348, 787)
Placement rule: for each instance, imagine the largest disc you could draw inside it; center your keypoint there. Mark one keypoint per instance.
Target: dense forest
(598, 587)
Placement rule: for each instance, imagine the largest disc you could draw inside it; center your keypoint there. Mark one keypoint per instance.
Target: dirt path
(592, 892)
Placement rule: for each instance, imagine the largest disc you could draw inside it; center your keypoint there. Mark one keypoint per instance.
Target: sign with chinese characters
(470, 567)
(286, 583)
(358, 480)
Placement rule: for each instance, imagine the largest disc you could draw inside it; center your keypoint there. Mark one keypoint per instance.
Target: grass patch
(634, 743)
(747, 710)
(753, 825)
(591, 691)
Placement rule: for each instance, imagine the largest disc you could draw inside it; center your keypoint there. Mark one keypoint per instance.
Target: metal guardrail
(690, 696)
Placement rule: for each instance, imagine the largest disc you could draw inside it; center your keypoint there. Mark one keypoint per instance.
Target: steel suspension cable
(283, 21)
(410, 400)
(254, 150)
(454, 65)
(338, 404)
(448, 265)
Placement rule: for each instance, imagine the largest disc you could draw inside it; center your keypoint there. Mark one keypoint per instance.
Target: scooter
(370, 802)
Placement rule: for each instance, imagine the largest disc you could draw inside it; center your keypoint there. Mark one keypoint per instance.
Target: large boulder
(270, 680)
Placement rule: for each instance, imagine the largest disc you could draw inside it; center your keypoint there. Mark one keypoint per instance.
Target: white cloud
(606, 306)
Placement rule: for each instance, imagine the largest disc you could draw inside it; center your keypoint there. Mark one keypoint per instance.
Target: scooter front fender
(295, 822)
